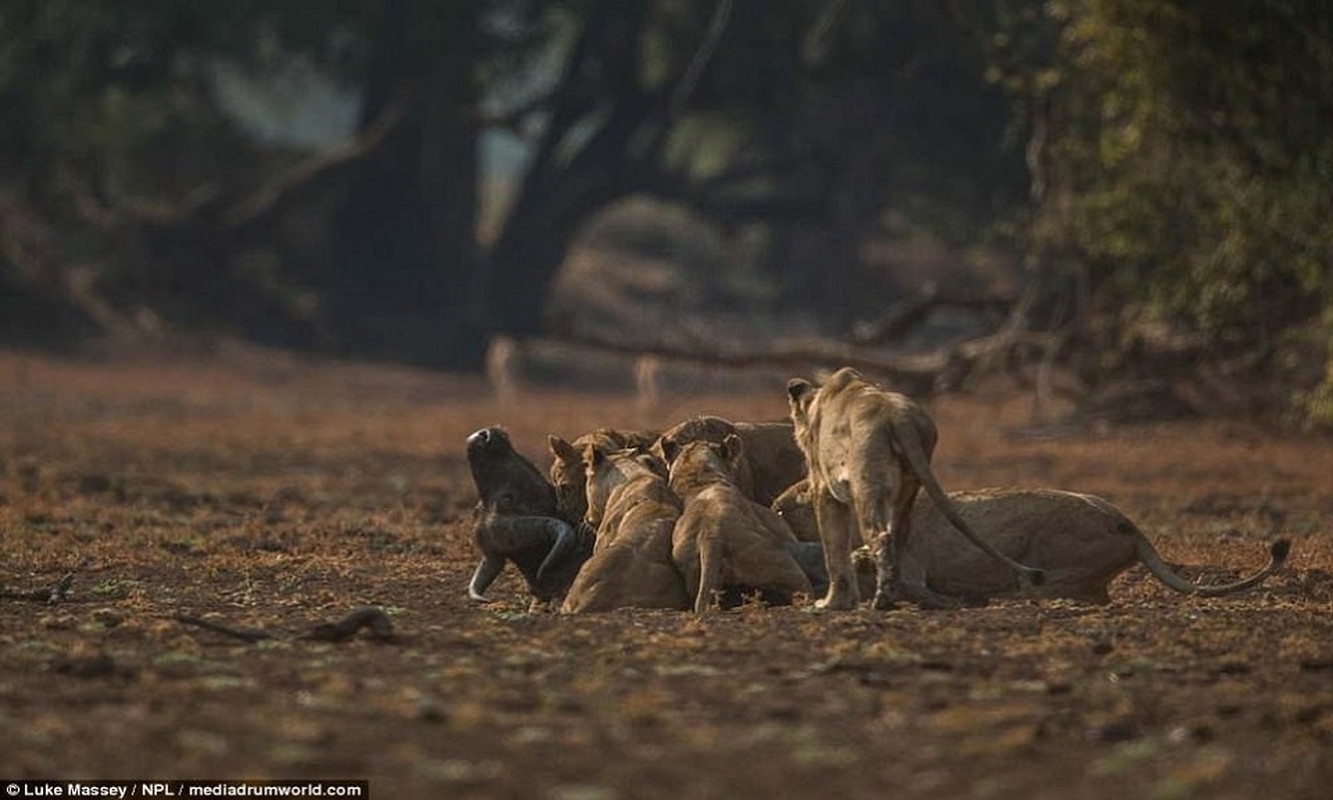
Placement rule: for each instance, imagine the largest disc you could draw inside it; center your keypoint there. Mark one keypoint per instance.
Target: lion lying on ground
(516, 519)
(568, 469)
(635, 512)
(724, 540)
(769, 460)
(869, 452)
(1080, 541)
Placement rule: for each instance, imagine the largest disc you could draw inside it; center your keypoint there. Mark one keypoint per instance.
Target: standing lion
(869, 453)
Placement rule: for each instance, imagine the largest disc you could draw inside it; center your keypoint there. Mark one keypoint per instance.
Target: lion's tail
(1151, 559)
(710, 573)
(914, 451)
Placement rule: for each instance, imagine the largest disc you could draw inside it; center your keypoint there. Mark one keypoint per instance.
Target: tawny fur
(724, 540)
(1081, 541)
(631, 564)
(770, 459)
(567, 468)
(868, 452)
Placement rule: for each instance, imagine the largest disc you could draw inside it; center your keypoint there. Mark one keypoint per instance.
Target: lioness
(724, 540)
(869, 453)
(567, 467)
(1081, 541)
(770, 459)
(516, 520)
(631, 563)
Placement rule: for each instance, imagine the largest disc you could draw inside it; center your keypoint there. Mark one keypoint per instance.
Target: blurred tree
(814, 118)
(1180, 174)
(405, 227)
(1213, 180)
(1173, 162)
(809, 116)
(117, 134)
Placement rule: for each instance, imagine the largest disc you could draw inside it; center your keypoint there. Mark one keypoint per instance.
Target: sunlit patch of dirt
(261, 491)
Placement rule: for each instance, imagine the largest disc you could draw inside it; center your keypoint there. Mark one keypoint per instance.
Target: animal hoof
(925, 598)
(938, 604)
(885, 601)
(835, 604)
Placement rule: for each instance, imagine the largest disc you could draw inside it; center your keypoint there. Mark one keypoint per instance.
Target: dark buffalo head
(507, 483)
(518, 520)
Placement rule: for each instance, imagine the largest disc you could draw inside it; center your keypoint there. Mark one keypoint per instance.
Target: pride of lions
(712, 512)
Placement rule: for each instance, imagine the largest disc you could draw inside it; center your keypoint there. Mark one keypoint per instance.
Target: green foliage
(1190, 157)
(114, 97)
(122, 95)
(1316, 405)
(1202, 178)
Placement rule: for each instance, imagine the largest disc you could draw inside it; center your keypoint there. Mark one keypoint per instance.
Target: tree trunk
(818, 263)
(560, 192)
(525, 259)
(406, 229)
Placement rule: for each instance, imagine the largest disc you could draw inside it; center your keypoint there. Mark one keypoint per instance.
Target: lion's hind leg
(880, 534)
(895, 581)
(835, 534)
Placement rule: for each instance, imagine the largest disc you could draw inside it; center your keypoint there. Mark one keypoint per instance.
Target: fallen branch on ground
(918, 375)
(56, 593)
(370, 617)
(904, 317)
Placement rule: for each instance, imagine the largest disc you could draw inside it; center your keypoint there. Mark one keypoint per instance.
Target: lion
(869, 453)
(770, 462)
(1080, 541)
(796, 506)
(635, 512)
(724, 540)
(568, 471)
(516, 519)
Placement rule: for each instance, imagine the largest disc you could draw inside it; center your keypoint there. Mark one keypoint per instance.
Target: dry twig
(371, 617)
(52, 595)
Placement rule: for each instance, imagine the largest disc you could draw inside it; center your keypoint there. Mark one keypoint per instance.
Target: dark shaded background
(1142, 186)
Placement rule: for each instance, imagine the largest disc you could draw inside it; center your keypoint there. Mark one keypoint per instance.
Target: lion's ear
(562, 449)
(653, 463)
(670, 449)
(731, 447)
(797, 388)
(843, 377)
(592, 455)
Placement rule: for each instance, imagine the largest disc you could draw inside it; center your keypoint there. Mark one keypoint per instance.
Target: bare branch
(381, 627)
(815, 47)
(273, 197)
(689, 79)
(652, 131)
(512, 119)
(903, 317)
(244, 634)
(371, 617)
(797, 358)
(916, 374)
(52, 595)
(720, 206)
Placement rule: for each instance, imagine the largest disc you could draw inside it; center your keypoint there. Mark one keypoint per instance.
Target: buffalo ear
(732, 447)
(797, 388)
(670, 449)
(562, 449)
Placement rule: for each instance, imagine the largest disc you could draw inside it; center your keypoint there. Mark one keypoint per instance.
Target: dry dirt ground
(261, 491)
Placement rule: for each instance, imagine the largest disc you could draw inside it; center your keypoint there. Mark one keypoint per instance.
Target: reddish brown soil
(260, 491)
